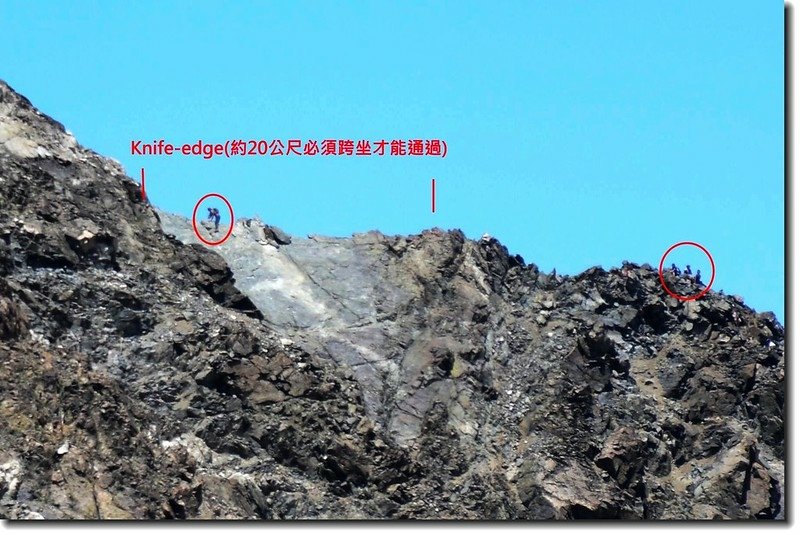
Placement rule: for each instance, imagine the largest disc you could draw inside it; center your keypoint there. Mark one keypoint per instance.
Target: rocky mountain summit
(144, 375)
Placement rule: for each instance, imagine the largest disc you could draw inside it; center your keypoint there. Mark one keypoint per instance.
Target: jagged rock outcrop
(147, 376)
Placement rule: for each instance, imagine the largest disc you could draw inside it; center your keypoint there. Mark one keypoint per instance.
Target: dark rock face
(376, 376)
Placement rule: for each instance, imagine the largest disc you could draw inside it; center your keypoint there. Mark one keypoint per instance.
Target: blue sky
(579, 133)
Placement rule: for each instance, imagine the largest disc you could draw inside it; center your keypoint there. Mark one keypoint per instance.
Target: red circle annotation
(194, 219)
(710, 282)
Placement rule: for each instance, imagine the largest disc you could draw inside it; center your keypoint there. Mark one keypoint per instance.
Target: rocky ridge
(428, 376)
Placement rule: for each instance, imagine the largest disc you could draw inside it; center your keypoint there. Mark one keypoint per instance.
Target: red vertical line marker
(433, 195)
(144, 195)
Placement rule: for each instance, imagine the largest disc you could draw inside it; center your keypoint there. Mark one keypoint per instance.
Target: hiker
(697, 277)
(675, 270)
(216, 220)
(688, 270)
(210, 214)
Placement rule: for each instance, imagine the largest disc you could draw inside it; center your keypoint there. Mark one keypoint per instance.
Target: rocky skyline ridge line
(144, 376)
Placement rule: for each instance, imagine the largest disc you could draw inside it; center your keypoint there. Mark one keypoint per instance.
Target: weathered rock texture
(427, 376)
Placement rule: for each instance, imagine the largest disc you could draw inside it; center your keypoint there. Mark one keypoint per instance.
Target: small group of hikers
(213, 215)
(688, 272)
